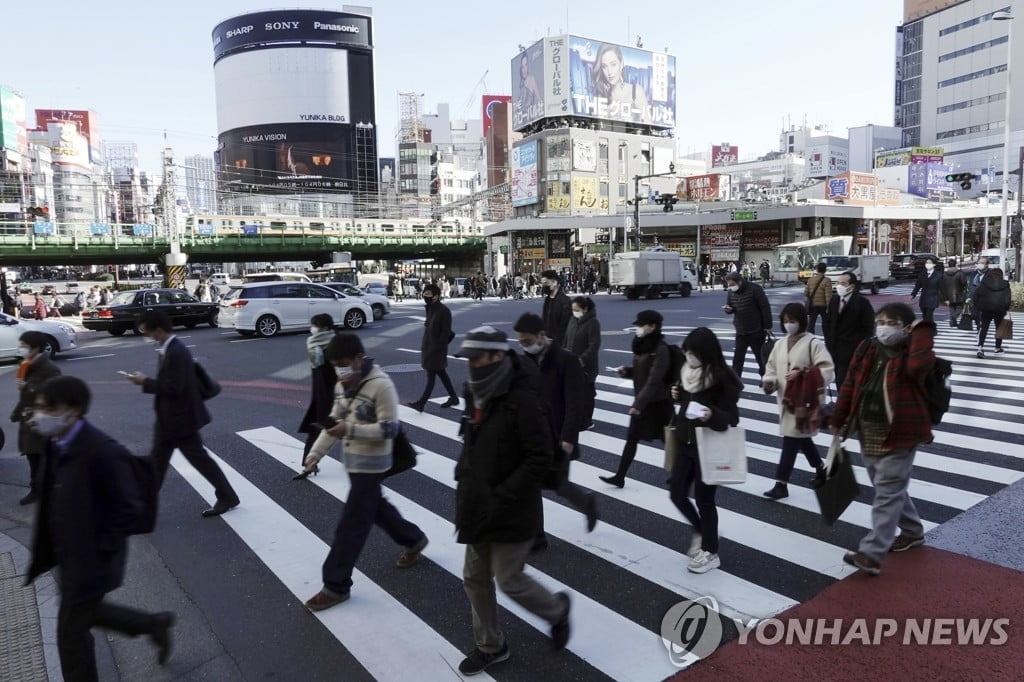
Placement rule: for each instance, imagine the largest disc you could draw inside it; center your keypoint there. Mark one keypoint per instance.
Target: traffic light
(667, 201)
(963, 178)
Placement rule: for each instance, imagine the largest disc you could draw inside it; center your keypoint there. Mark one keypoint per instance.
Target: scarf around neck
(315, 344)
(485, 389)
(695, 379)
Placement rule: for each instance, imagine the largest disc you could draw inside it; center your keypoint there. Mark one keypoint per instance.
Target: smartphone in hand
(123, 373)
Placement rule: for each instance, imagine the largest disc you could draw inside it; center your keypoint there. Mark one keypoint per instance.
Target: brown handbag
(1004, 331)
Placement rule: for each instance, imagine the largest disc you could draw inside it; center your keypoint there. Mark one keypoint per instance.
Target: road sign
(743, 215)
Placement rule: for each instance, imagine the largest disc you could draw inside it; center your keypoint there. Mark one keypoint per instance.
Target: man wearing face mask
(437, 334)
(501, 468)
(928, 285)
(562, 386)
(557, 308)
(366, 412)
(180, 411)
(89, 502)
(35, 369)
(972, 286)
(850, 320)
(883, 402)
(752, 318)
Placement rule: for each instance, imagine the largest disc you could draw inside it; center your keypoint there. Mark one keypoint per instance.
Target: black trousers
(813, 313)
(445, 381)
(753, 342)
(577, 496)
(191, 446)
(703, 518)
(74, 636)
(787, 460)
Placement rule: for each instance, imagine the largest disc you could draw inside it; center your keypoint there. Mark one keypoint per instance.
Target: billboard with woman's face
(528, 86)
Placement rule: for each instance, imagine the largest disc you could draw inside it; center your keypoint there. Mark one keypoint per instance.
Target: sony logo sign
(278, 25)
(343, 28)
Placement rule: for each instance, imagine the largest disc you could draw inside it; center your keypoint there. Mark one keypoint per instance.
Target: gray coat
(437, 334)
(583, 338)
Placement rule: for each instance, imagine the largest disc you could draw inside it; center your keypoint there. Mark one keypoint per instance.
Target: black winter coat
(41, 369)
(954, 286)
(751, 312)
(437, 332)
(321, 399)
(928, 286)
(843, 333)
(583, 339)
(651, 363)
(722, 398)
(504, 460)
(562, 385)
(179, 407)
(993, 295)
(89, 501)
(557, 313)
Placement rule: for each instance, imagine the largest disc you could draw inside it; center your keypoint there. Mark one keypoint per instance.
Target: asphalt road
(238, 582)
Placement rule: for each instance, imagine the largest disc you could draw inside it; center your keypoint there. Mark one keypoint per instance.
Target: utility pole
(636, 199)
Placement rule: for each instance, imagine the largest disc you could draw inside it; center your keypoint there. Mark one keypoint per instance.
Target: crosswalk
(626, 574)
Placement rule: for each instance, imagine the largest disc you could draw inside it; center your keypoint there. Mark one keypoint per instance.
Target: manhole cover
(398, 369)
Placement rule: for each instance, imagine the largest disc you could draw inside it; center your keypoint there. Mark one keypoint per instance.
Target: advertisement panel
(68, 146)
(709, 187)
(12, 120)
(487, 109)
(825, 161)
(584, 193)
(386, 171)
(909, 155)
(619, 83)
(524, 174)
(584, 155)
(724, 154)
(527, 82)
(860, 189)
(721, 242)
(85, 122)
(288, 157)
(291, 25)
(761, 238)
(927, 154)
(926, 179)
(283, 85)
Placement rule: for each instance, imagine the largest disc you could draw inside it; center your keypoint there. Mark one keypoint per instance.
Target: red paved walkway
(922, 583)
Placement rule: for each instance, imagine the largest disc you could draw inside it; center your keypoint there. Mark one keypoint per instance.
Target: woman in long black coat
(321, 398)
(583, 339)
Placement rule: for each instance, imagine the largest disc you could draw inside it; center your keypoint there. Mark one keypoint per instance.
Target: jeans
(445, 381)
(501, 562)
(364, 508)
(754, 342)
(74, 639)
(892, 507)
(790, 446)
(812, 317)
(986, 320)
(191, 446)
(703, 518)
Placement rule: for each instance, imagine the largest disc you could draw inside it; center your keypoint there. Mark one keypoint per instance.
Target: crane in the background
(476, 88)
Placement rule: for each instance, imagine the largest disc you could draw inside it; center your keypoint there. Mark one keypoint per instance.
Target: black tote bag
(835, 486)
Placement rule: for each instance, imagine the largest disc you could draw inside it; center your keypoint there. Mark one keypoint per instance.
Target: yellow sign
(584, 193)
(558, 202)
(532, 254)
(927, 151)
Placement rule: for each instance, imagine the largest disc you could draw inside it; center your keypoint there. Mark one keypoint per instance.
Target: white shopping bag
(723, 455)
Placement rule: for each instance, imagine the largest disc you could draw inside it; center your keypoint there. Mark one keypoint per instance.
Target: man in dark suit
(557, 309)
(89, 502)
(850, 320)
(437, 334)
(180, 411)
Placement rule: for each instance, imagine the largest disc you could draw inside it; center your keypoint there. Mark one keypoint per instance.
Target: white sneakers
(703, 562)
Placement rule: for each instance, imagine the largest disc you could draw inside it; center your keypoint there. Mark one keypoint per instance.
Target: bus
(334, 272)
(796, 261)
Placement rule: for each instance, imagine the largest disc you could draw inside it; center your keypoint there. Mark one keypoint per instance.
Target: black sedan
(125, 309)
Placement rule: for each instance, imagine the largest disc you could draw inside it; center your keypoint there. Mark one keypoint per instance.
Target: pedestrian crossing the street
(631, 569)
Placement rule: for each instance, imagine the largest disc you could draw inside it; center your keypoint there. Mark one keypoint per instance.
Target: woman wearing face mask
(651, 410)
(35, 369)
(583, 338)
(800, 393)
(928, 284)
(705, 379)
(321, 399)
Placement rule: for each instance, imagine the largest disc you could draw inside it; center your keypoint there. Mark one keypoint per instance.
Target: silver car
(61, 337)
(380, 304)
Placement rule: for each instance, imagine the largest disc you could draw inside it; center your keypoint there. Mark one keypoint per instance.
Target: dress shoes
(220, 507)
(417, 405)
(161, 636)
(451, 402)
(31, 498)
(325, 600)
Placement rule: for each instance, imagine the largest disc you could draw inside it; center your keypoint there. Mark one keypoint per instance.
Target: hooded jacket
(993, 295)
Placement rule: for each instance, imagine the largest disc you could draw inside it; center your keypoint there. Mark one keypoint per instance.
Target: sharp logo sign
(265, 28)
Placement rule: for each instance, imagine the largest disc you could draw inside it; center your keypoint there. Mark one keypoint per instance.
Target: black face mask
(427, 300)
(481, 373)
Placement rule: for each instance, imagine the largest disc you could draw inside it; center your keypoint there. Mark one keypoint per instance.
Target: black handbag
(403, 454)
(208, 386)
(766, 349)
(835, 485)
(966, 322)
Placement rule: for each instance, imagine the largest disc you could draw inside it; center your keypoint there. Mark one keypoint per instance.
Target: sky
(746, 69)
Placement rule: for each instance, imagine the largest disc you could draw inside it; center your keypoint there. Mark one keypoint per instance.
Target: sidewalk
(971, 567)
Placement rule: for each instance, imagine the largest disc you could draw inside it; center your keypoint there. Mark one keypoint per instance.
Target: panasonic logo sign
(342, 28)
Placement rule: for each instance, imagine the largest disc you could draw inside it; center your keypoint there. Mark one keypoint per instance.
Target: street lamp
(1003, 15)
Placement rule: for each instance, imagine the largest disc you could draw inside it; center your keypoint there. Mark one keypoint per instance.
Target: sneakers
(478, 661)
(999, 350)
(780, 491)
(981, 354)
(862, 562)
(560, 630)
(904, 542)
(325, 600)
(412, 554)
(695, 544)
(703, 562)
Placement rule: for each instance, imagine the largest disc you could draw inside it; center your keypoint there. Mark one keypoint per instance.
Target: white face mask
(24, 352)
(890, 336)
(929, 267)
(50, 424)
(533, 349)
(314, 330)
(641, 332)
(692, 360)
(842, 290)
(734, 288)
(578, 314)
(791, 327)
(344, 373)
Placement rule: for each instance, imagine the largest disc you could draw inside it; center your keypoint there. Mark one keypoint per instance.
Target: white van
(221, 279)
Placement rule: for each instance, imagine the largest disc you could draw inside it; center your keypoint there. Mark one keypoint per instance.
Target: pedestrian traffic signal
(963, 178)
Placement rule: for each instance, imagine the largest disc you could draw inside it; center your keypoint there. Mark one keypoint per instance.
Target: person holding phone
(322, 382)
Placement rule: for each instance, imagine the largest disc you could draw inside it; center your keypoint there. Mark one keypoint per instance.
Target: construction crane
(472, 94)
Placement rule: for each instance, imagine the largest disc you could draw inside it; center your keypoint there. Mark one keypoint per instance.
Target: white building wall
(865, 140)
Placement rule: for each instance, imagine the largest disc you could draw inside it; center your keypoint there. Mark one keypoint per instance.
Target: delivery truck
(652, 273)
(872, 271)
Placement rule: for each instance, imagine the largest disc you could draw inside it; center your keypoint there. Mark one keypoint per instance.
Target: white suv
(268, 308)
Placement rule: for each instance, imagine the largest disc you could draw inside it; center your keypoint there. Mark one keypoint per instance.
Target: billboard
(487, 109)
(386, 171)
(572, 76)
(290, 26)
(909, 155)
(709, 187)
(524, 174)
(860, 189)
(584, 194)
(924, 179)
(825, 160)
(724, 154)
(67, 145)
(84, 120)
(288, 157)
(283, 85)
(12, 121)
(584, 155)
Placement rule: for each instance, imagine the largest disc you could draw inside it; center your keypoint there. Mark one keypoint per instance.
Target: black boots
(778, 492)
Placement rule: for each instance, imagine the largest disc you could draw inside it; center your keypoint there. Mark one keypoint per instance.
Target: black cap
(645, 317)
(485, 339)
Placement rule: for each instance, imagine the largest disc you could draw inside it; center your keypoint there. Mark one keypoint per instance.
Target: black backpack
(677, 358)
(148, 481)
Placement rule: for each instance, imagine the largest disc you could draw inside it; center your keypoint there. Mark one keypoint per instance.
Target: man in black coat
(562, 387)
(850, 320)
(557, 309)
(89, 502)
(501, 468)
(35, 369)
(180, 411)
(437, 334)
(752, 318)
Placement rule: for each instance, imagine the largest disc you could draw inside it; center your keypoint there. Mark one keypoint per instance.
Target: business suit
(180, 413)
(88, 503)
(845, 329)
